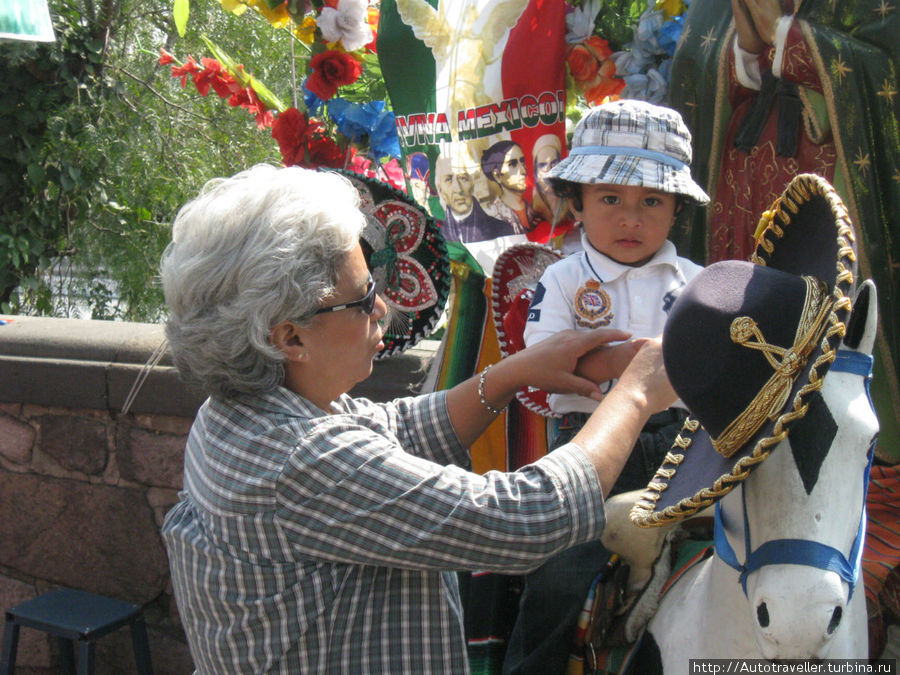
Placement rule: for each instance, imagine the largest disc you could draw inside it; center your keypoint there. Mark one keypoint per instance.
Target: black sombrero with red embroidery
(747, 345)
(516, 274)
(408, 258)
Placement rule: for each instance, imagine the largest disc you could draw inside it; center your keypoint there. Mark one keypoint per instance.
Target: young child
(626, 178)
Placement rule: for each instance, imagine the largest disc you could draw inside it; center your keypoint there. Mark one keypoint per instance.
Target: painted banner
(478, 89)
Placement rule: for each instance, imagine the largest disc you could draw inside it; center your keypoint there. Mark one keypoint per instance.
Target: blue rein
(803, 551)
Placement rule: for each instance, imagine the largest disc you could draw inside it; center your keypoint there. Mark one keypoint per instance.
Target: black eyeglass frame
(366, 303)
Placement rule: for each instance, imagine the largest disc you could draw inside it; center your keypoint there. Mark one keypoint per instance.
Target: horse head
(803, 509)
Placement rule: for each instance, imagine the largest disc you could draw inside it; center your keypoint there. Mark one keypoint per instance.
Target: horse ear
(863, 320)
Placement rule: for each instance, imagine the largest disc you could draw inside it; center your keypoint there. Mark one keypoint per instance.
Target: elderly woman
(320, 533)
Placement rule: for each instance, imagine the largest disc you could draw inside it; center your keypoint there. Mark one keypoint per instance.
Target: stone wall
(84, 487)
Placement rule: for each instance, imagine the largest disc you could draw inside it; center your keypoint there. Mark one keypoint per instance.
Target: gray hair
(249, 252)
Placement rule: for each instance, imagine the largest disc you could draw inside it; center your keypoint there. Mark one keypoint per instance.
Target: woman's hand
(612, 429)
(608, 362)
(747, 37)
(570, 361)
(646, 377)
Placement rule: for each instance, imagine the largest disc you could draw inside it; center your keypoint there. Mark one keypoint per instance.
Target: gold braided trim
(643, 514)
(772, 398)
(675, 458)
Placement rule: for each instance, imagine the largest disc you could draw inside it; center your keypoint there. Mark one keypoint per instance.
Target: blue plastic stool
(75, 617)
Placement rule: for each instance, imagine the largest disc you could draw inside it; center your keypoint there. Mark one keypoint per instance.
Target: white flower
(346, 24)
(580, 21)
(651, 87)
(631, 63)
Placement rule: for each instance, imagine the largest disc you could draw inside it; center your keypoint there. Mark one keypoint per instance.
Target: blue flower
(352, 119)
(313, 103)
(669, 34)
(383, 139)
(355, 121)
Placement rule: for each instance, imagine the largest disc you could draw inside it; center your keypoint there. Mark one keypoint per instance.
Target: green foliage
(103, 146)
(617, 19)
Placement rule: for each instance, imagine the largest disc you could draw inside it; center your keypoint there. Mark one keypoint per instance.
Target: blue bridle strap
(803, 551)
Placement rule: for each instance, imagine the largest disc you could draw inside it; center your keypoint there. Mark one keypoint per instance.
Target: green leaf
(180, 11)
(36, 174)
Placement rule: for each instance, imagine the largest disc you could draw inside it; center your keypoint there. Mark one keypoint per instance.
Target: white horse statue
(773, 358)
(798, 598)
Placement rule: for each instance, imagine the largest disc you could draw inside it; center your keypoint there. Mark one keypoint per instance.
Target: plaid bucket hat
(747, 346)
(631, 142)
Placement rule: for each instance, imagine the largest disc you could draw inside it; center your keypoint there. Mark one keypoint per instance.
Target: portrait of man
(545, 154)
(465, 220)
(504, 164)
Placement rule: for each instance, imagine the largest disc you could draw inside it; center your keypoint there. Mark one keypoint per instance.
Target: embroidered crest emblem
(592, 306)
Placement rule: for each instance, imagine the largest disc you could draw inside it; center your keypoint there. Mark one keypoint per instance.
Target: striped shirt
(307, 542)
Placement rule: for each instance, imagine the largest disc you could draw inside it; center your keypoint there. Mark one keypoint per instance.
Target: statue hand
(748, 39)
(765, 15)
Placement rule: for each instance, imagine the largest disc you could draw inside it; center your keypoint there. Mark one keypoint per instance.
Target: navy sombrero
(747, 345)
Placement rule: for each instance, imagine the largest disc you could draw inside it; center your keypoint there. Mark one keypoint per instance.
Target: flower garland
(640, 68)
(352, 132)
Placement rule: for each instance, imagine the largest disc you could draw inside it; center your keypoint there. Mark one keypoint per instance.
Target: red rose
(605, 84)
(599, 47)
(290, 129)
(582, 64)
(330, 70)
(323, 151)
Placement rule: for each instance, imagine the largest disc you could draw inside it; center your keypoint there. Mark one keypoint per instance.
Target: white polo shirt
(590, 290)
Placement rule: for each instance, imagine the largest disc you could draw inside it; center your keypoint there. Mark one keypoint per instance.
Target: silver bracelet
(492, 409)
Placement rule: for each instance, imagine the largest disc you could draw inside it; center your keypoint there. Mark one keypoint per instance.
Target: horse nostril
(762, 614)
(835, 620)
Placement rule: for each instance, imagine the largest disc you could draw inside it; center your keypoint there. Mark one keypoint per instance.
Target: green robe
(853, 47)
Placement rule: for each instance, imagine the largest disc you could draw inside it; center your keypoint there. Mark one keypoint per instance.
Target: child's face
(626, 222)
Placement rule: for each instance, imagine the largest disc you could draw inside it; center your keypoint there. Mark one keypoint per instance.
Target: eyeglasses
(365, 303)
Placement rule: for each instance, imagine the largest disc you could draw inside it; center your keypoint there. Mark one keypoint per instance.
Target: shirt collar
(283, 401)
(609, 269)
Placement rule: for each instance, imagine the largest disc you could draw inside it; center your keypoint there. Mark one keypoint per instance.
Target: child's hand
(609, 361)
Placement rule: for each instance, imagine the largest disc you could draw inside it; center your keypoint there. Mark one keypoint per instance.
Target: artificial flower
(651, 86)
(352, 119)
(671, 7)
(669, 34)
(632, 62)
(604, 85)
(215, 76)
(580, 21)
(190, 68)
(304, 141)
(394, 173)
(372, 17)
(165, 58)
(584, 59)
(647, 31)
(277, 16)
(330, 70)
(356, 121)
(306, 31)
(313, 103)
(236, 7)
(383, 138)
(390, 171)
(323, 151)
(346, 23)
(582, 64)
(289, 130)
